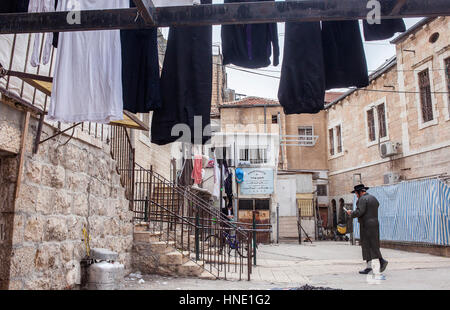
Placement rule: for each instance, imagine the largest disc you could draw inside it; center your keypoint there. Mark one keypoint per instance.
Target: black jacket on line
(186, 87)
(386, 30)
(250, 45)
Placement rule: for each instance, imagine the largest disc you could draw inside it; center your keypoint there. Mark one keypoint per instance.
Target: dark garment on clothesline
(140, 70)
(302, 84)
(344, 56)
(186, 175)
(251, 45)
(14, 6)
(386, 30)
(186, 86)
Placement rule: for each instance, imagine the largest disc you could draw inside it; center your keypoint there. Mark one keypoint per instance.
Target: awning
(129, 119)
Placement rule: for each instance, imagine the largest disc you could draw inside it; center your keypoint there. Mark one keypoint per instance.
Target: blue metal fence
(415, 211)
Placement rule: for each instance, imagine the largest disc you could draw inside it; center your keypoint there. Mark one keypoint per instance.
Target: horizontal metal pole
(215, 14)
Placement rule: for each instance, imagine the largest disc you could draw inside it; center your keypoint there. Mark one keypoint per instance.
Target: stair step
(162, 247)
(190, 269)
(173, 258)
(206, 275)
(146, 236)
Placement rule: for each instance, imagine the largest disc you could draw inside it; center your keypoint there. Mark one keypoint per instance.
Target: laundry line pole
(146, 16)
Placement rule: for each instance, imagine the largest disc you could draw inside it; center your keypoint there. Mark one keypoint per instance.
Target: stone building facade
(406, 104)
(64, 188)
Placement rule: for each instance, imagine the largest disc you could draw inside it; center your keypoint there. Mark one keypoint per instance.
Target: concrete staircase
(154, 255)
(288, 229)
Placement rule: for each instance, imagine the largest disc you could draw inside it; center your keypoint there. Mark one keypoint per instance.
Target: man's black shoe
(366, 271)
(383, 265)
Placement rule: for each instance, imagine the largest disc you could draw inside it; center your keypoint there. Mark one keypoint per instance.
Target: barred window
(305, 207)
(306, 135)
(371, 125)
(322, 190)
(274, 119)
(253, 155)
(425, 96)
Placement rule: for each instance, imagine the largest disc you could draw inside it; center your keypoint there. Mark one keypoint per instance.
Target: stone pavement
(328, 264)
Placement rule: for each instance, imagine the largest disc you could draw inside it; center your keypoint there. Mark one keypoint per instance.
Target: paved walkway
(329, 264)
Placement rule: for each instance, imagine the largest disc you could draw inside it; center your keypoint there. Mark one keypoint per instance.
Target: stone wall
(64, 189)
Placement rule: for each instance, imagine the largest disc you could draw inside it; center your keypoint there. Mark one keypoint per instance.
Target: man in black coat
(367, 214)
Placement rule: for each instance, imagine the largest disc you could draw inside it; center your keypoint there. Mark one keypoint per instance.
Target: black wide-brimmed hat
(360, 187)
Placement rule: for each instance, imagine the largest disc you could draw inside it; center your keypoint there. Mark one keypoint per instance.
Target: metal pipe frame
(215, 14)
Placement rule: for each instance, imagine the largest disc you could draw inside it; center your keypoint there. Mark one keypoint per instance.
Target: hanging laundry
(302, 84)
(39, 6)
(386, 30)
(216, 189)
(14, 6)
(186, 174)
(186, 86)
(88, 72)
(251, 45)
(197, 171)
(140, 69)
(344, 56)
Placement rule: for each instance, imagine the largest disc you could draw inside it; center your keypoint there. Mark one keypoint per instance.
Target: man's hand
(349, 212)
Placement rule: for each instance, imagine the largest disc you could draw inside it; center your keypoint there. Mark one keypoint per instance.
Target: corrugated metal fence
(416, 211)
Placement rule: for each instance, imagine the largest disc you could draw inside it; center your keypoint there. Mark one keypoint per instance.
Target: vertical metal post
(197, 237)
(249, 255)
(278, 223)
(254, 237)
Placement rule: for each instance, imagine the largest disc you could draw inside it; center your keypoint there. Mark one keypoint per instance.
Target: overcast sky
(377, 52)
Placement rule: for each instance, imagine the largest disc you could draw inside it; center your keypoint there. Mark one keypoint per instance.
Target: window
(223, 153)
(381, 113)
(331, 138)
(339, 139)
(253, 155)
(306, 135)
(275, 119)
(322, 190)
(425, 96)
(447, 76)
(305, 207)
(376, 122)
(371, 125)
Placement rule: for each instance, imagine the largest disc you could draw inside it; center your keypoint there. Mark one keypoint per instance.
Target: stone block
(75, 227)
(48, 256)
(74, 158)
(44, 203)
(62, 202)
(33, 171)
(56, 229)
(22, 259)
(97, 227)
(80, 205)
(7, 197)
(53, 176)
(67, 251)
(28, 197)
(34, 228)
(77, 182)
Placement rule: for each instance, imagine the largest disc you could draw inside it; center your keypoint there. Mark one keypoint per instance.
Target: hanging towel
(186, 86)
(343, 50)
(386, 30)
(88, 71)
(197, 171)
(38, 6)
(251, 45)
(140, 70)
(302, 84)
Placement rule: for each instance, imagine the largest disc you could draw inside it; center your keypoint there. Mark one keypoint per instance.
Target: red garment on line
(197, 171)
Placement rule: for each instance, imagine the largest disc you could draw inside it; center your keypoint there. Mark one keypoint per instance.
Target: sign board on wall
(257, 181)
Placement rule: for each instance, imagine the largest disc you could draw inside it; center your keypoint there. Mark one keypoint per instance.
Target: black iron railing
(192, 226)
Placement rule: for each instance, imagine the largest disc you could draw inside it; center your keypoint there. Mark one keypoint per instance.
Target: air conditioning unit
(391, 178)
(388, 149)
